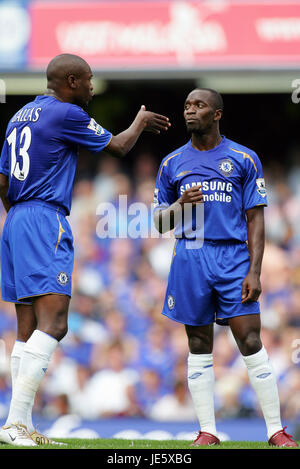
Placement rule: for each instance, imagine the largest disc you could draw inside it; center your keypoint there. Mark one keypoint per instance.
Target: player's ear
(72, 81)
(218, 114)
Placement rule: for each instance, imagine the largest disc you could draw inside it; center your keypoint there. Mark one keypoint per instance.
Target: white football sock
(34, 362)
(15, 360)
(201, 382)
(263, 380)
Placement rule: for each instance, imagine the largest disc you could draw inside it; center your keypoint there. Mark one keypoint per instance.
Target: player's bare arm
(69, 79)
(148, 121)
(166, 219)
(3, 191)
(251, 288)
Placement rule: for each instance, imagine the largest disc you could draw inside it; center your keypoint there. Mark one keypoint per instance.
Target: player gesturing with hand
(153, 122)
(218, 279)
(37, 170)
(147, 121)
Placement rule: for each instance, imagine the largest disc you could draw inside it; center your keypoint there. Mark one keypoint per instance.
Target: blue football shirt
(231, 179)
(40, 151)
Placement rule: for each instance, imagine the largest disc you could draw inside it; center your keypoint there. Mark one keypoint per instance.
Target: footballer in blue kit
(37, 171)
(211, 192)
(39, 157)
(231, 180)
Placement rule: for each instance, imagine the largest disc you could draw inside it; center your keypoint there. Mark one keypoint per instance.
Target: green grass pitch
(122, 444)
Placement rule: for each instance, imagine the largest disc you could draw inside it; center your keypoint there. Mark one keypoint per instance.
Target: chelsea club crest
(62, 278)
(226, 167)
(171, 302)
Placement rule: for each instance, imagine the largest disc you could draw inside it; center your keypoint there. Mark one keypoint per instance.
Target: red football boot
(282, 439)
(206, 439)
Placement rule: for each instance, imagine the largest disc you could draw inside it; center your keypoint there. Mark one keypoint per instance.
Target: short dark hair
(217, 98)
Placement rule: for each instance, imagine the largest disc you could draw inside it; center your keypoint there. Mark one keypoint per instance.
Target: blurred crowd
(121, 356)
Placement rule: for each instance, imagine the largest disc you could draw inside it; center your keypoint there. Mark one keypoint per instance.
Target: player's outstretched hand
(152, 122)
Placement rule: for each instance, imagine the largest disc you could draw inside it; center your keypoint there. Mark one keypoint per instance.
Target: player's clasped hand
(192, 196)
(153, 122)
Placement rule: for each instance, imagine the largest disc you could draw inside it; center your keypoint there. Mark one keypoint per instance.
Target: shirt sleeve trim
(4, 171)
(111, 136)
(256, 205)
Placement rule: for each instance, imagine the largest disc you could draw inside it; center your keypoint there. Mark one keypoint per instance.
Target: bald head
(64, 65)
(69, 78)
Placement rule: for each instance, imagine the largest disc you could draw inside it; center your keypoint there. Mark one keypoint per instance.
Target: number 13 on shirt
(22, 145)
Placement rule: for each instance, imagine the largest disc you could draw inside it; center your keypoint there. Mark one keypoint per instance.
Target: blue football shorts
(37, 252)
(205, 284)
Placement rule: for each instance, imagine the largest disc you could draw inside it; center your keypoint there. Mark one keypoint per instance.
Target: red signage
(169, 34)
